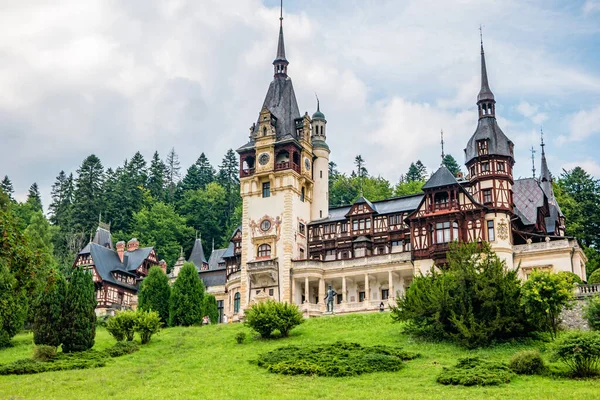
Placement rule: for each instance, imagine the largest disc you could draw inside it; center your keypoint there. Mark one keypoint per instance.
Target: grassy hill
(207, 363)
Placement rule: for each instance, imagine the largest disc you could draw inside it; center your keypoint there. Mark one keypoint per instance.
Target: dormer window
(482, 147)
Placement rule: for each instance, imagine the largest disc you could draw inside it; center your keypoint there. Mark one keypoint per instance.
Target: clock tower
(279, 186)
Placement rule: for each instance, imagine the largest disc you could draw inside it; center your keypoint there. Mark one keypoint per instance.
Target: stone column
(306, 291)
(367, 291)
(292, 291)
(344, 291)
(401, 288)
(322, 293)
(391, 295)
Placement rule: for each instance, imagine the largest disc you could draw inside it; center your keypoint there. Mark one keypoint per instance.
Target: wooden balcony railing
(247, 172)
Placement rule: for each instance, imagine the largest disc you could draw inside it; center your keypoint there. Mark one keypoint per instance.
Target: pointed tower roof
(485, 93)
(546, 185)
(441, 177)
(545, 175)
(197, 256)
(280, 47)
(318, 115)
(280, 61)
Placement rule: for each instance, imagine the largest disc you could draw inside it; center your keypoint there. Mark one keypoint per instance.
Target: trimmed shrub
(240, 337)
(334, 359)
(185, 305)
(594, 277)
(79, 315)
(155, 293)
(473, 371)
(122, 325)
(529, 362)
(544, 296)
(44, 353)
(13, 306)
(47, 311)
(62, 362)
(474, 300)
(570, 277)
(147, 323)
(122, 348)
(268, 316)
(210, 308)
(580, 351)
(591, 313)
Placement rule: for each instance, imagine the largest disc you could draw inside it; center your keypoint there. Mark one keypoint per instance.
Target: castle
(291, 245)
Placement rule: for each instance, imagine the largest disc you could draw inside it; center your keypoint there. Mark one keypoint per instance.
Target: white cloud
(590, 166)
(582, 125)
(591, 6)
(531, 111)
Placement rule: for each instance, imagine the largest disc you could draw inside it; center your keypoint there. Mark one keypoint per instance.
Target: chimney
(121, 250)
(133, 245)
(163, 265)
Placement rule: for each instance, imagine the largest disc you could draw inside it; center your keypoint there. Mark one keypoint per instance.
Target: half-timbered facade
(116, 273)
(292, 245)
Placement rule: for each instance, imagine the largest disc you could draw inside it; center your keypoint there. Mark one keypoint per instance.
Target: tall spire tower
(280, 63)
(485, 99)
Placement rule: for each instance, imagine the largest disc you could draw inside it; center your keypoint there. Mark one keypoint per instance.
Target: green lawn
(206, 363)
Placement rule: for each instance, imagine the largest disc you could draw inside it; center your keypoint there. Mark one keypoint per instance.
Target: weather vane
(442, 142)
(533, 161)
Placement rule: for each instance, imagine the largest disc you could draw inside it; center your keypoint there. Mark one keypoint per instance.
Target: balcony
(247, 172)
(263, 268)
(359, 262)
(287, 165)
(587, 290)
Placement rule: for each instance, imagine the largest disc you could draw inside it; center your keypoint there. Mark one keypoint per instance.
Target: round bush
(44, 353)
(594, 277)
(571, 277)
(240, 337)
(270, 316)
(529, 362)
(591, 313)
(580, 351)
(473, 371)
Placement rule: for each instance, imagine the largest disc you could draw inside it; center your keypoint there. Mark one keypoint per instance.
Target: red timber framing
(496, 171)
(287, 157)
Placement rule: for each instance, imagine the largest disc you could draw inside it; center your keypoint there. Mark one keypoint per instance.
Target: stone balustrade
(361, 262)
(587, 290)
(555, 244)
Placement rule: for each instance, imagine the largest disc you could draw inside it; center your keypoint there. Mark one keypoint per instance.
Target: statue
(330, 298)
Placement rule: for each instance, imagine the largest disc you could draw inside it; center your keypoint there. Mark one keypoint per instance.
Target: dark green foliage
(47, 311)
(62, 362)
(210, 308)
(416, 172)
(203, 210)
(240, 337)
(122, 348)
(172, 174)
(157, 177)
(185, 306)
(591, 313)
(268, 316)
(451, 164)
(122, 325)
(44, 353)
(155, 292)
(474, 301)
(335, 359)
(594, 277)
(528, 362)
(580, 351)
(544, 296)
(87, 197)
(7, 187)
(79, 317)
(570, 277)
(13, 306)
(34, 199)
(147, 323)
(472, 371)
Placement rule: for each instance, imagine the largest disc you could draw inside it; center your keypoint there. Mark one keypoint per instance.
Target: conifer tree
(172, 174)
(112, 197)
(416, 172)
(47, 311)
(7, 187)
(210, 308)
(228, 178)
(13, 306)
(191, 180)
(155, 293)
(185, 306)
(39, 238)
(157, 177)
(79, 316)
(62, 198)
(34, 199)
(87, 198)
(206, 173)
(451, 164)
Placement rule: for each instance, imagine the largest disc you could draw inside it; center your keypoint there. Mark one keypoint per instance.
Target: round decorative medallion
(307, 164)
(265, 225)
(263, 159)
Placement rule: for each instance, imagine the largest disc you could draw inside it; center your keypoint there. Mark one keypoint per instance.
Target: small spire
(281, 13)
(318, 107)
(213, 244)
(485, 93)
(280, 63)
(533, 161)
(542, 140)
(545, 175)
(442, 143)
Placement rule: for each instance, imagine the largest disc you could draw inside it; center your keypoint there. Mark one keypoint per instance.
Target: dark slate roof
(102, 238)
(216, 257)
(363, 200)
(487, 128)
(213, 278)
(388, 206)
(197, 256)
(441, 177)
(107, 261)
(136, 258)
(229, 251)
(527, 196)
(485, 93)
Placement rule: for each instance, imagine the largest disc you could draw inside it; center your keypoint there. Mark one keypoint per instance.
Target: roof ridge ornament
(280, 63)
(442, 143)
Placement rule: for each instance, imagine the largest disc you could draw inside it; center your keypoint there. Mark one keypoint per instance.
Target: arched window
(264, 250)
(236, 302)
(265, 131)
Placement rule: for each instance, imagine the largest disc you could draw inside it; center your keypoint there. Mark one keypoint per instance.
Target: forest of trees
(164, 206)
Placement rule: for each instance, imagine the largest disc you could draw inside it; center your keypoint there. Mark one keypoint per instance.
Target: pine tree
(172, 174)
(39, 238)
(155, 293)
(361, 170)
(79, 316)
(62, 193)
(111, 196)
(34, 199)
(185, 306)
(228, 178)
(157, 177)
(7, 187)
(130, 191)
(210, 308)
(451, 164)
(416, 172)
(87, 198)
(191, 180)
(13, 306)
(206, 173)
(47, 311)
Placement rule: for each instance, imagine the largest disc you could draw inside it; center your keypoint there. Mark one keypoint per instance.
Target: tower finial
(442, 143)
(481, 35)
(318, 109)
(281, 13)
(533, 161)
(542, 139)
(280, 63)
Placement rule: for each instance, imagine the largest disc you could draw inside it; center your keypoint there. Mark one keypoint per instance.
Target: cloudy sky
(111, 77)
